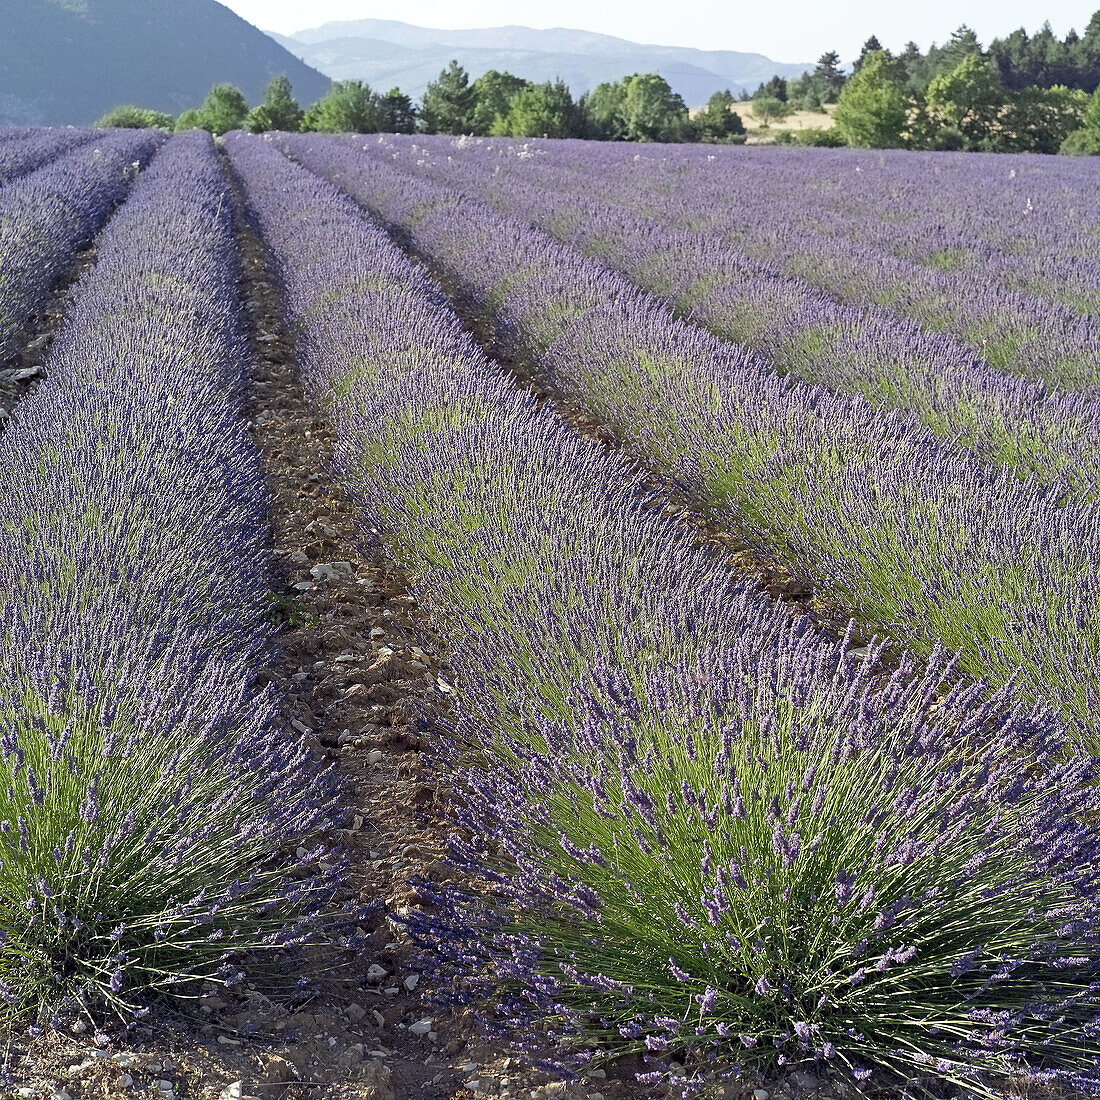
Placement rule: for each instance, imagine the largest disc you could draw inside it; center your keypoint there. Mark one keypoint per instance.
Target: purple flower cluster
(47, 215)
(154, 806)
(691, 828)
(23, 154)
(923, 539)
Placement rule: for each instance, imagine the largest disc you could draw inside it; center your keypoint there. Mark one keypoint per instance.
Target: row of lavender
(152, 806)
(692, 828)
(798, 327)
(926, 542)
(47, 215)
(1031, 316)
(21, 155)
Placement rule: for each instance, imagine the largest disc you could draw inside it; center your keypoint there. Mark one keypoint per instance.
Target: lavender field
(547, 618)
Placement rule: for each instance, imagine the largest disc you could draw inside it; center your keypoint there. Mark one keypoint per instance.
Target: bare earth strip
(20, 373)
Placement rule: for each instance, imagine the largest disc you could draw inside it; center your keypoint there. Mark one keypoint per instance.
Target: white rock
(26, 1093)
(374, 756)
(411, 982)
(331, 571)
(124, 1081)
(760, 1094)
(421, 1027)
(376, 973)
(232, 1091)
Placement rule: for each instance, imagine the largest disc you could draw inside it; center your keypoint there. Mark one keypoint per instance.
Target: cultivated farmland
(547, 618)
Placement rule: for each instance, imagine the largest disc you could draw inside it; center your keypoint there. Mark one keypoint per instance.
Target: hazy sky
(794, 30)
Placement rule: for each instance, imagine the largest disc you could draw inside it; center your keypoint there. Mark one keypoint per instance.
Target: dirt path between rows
(21, 372)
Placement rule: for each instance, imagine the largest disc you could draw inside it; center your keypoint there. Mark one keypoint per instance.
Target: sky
(792, 31)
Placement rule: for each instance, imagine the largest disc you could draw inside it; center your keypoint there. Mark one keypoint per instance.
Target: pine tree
(448, 103)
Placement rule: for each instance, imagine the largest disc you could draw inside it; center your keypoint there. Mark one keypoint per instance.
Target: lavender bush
(768, 859)
(692, 829)
(24, 154)
(925, 541)
(153, 808)
(48, 214)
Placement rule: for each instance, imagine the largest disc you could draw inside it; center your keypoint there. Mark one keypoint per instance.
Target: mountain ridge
(65, 62)
(386, 51)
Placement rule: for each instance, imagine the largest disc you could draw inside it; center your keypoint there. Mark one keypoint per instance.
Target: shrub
(1081, 143)
(820, 136)
(765, 860)
(129, 117)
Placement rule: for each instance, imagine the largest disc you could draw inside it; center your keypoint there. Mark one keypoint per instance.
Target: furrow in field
(665, 783)
(927, 543)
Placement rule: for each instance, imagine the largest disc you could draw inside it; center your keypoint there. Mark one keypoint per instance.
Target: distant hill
(67, 61)
(384, 53)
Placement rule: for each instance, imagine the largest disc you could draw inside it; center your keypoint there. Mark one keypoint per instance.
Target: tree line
(1025, 93)
(640, 107)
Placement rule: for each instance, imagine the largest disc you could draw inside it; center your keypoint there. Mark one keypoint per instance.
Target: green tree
(540, 110)
(652, 111)
(349, 106)
(278, 110)
(776, 88)
(493, 92)
(223, 109)
(915, 65)
(603, 111)
(1081, 143)
(871, 46)
(766, 109)
(1085, 141)
(187, 120)
(969, 99)
(1039, 120)
(128, 117)
(398, 115)
(718, 122)
(873, 108)
(1043, 61)
(448, 103)
(827, 79)
(640, 107)
(1091, 118)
